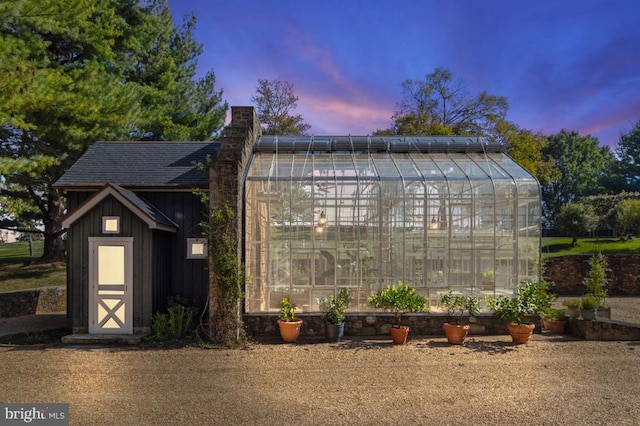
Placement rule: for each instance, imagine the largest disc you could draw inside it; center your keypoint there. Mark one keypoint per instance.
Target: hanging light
(322, 223)
(435, 223)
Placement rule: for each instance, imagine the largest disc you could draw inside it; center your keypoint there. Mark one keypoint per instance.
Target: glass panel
(317, 222)
(110, 265)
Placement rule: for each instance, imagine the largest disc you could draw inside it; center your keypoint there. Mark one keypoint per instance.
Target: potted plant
(456, 333)
(333, 309)
(573, 307)
(530, 298)
(554, 320)
(488, 279)
(589, 307)
(288, 323)
(398, 299)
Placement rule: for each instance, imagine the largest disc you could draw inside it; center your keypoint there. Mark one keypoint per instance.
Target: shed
(133, 232)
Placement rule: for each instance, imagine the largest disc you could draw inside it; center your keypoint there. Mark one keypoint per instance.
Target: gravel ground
(552, 380)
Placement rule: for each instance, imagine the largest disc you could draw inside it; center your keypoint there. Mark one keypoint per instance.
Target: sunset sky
(561, 64)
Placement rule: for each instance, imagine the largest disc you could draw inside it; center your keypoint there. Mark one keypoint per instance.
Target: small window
(110, 224)
(196, 248)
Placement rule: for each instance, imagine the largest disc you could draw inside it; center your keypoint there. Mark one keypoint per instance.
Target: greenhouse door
(110, 285)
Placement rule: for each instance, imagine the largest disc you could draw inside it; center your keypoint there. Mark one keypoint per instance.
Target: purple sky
(561, 64)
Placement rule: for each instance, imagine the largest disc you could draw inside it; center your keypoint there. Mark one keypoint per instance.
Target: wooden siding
(78, 263)
(172, 273)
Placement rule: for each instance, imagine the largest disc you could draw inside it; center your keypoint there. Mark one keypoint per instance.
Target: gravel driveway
(552, 380)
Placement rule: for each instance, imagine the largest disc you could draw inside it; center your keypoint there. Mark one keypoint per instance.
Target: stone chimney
(225, 189)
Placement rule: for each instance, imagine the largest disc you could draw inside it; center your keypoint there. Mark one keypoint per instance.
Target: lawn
(561, 246)
(18, 271)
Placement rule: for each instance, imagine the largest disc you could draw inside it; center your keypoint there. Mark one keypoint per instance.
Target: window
(196, 248)
(110, 224)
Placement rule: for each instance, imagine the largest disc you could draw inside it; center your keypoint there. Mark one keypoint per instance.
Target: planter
(573, 312)
(521, 333)
(588, 314)
(333, 332)
(554, 326)
(289, 330)
(455, 333)
(399, 334)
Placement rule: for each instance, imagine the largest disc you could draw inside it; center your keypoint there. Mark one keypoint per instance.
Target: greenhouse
(438, 213)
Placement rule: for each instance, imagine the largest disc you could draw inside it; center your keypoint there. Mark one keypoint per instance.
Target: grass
(561, 246)
(19, 271)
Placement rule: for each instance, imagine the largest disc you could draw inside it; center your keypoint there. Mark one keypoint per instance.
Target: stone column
(225, 190)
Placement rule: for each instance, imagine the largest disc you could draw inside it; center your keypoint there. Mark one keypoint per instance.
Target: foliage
(458, 303)
(334, 307)
(596, 280)
(177, 323)
(581, 163)
(627, 214)
(572, 303)
(275, 100)
(71, 75)
(553, 314)
(398, 299)
(531, 298)
(439, 105)
(590, 301)
(576, 219)
(287, 310)
(628, 154)
(526, 148)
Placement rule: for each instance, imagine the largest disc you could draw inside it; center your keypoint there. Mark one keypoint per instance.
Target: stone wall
(379, 324)
(567, 272)
(31, 302)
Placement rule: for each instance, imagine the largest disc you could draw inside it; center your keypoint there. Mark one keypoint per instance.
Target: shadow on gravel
(365, 344)
(487, 347)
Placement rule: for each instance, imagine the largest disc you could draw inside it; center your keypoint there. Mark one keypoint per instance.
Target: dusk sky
(561, 64)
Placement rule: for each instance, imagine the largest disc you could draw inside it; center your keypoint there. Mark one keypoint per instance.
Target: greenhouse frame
(438, 213)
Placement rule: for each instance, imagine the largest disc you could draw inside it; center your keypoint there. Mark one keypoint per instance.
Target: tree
(628, 217)
(438, 105)
(628, 164)
(582, 165)
(577, 219)
(102, 70)
(275, 101)
(526, 148)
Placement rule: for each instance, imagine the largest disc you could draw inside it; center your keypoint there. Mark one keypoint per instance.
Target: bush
(178, 323)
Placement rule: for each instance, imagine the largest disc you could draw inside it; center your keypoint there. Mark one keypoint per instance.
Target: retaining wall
(34, 301)
(567, 272)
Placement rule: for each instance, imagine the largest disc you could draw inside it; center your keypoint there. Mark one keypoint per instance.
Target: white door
(110, 285)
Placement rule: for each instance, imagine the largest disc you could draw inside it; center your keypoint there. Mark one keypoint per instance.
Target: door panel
(110, 285)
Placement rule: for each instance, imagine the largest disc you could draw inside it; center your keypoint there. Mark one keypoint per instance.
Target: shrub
(177, 323)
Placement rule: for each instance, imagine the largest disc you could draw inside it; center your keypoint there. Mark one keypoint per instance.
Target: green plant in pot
(573, 307)
(554, 320)
(530, 298)
(589, 307)
(288, 323)
(333, 309)
(457, 332)
(398, 299)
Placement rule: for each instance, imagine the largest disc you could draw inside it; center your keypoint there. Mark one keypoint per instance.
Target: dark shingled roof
(140, 164)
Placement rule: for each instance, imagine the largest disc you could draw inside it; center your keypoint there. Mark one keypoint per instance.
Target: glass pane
(110, 265)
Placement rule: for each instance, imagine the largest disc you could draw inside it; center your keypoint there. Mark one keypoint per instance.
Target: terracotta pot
(289, 330)
(455, 333)
(554, 326)
(399, 334)
(521, 333)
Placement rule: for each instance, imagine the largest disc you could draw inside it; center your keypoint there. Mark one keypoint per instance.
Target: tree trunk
(54, 245)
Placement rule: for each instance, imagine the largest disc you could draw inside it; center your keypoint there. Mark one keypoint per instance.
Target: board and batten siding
(90, 225)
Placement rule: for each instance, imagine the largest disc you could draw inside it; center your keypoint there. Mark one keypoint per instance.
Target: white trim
(108, 221)
(200, 246)
(94, 298)
(101, 195)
